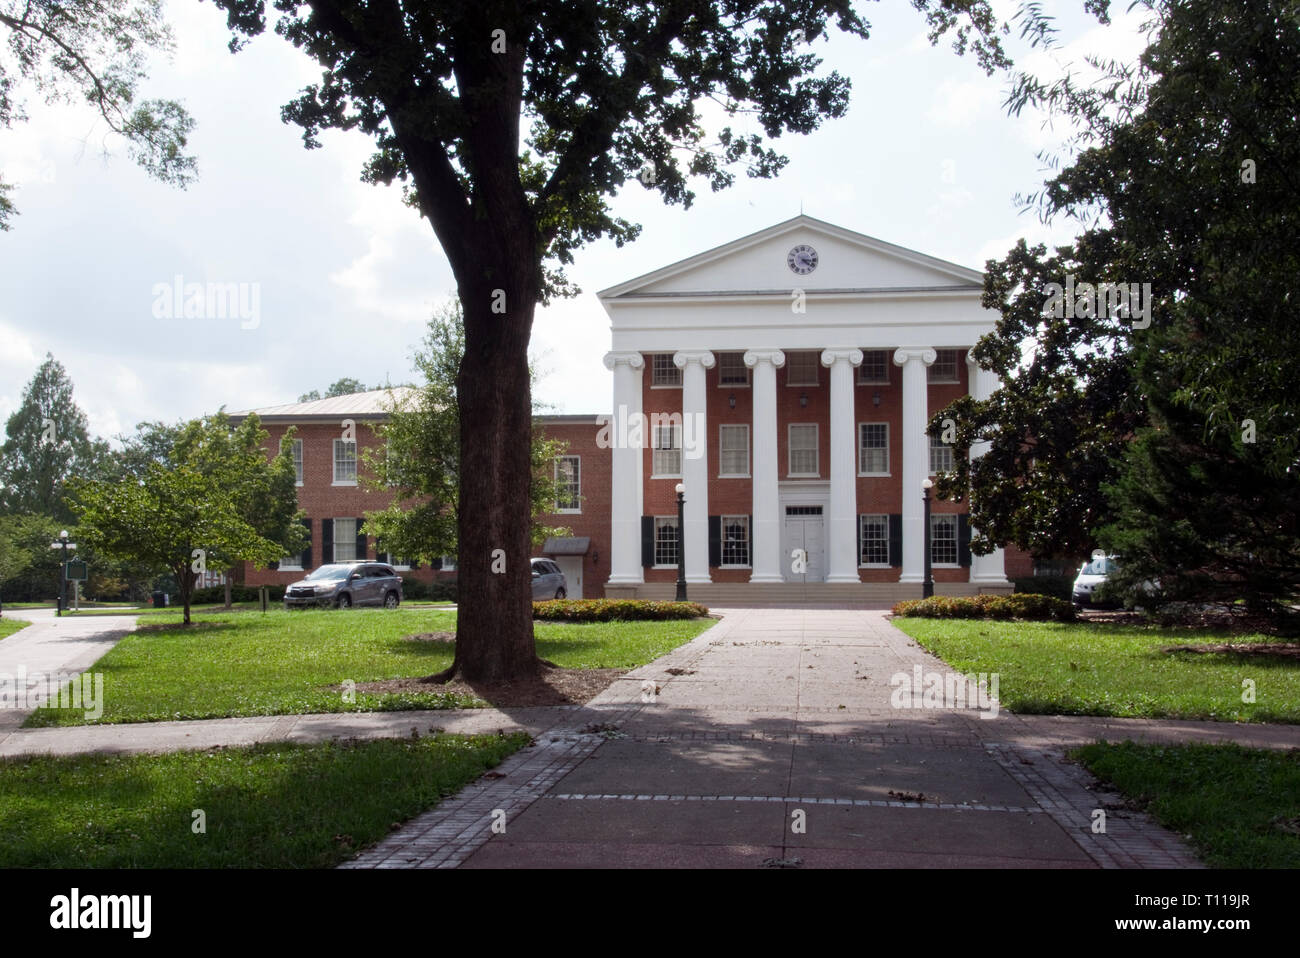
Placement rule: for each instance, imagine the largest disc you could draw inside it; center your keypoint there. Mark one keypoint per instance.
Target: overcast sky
(926, 158)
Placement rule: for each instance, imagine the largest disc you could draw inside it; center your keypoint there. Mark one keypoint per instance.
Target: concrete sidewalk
(772, 741)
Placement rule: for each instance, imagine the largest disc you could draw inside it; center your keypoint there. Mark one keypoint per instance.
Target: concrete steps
(795, 594)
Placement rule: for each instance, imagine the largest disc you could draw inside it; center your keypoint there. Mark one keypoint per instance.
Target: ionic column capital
(625, 357)
(755, 356)
(905, 354)
(851, 355)
(685, 357)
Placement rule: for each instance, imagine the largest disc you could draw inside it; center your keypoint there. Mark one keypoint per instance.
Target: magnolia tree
(510, 125)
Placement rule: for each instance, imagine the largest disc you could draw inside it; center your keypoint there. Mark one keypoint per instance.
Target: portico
(785, 380)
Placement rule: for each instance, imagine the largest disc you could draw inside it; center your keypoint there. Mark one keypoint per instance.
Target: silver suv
(343, 585)
(548, 581)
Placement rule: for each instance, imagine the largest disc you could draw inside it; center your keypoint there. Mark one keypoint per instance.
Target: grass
(1239, 807)
(265, 806)
(1078, 669)
(281, 663)
(9, 626)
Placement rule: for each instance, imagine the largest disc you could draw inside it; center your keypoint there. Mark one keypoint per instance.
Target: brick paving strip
(769, 714)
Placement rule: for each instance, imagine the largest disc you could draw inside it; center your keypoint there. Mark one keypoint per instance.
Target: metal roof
(373, 404)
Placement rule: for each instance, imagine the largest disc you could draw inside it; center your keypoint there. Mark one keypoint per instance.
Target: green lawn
(241, 664)
(9, 626)
(1076, 669)
(1241, 807)
(266, 806)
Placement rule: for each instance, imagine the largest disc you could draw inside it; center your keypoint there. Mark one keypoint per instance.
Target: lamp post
(681, 543)
(63, 543)
(927, 587)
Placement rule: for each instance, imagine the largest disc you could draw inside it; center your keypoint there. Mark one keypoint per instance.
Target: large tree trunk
(494, 622)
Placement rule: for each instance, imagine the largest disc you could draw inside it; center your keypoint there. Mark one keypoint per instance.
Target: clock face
(802, 260)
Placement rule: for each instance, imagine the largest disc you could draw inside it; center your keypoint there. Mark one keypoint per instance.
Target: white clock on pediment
(802, 260)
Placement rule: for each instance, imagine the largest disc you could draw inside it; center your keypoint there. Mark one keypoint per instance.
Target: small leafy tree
(419, 461)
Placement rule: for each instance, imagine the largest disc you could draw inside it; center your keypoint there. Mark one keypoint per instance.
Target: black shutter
(361, 540)
(326, 541)
(715, 541)
(751, 541)
(895, 539)
(647, 540)
(963, 539)
(859, 562)
(436, 563)
(306, 550)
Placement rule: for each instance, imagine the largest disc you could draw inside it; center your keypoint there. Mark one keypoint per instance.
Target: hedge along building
(785, 380)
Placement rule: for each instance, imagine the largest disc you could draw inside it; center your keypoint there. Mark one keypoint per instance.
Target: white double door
(803, 537)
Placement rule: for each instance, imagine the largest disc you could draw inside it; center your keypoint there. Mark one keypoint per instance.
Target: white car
(1092, 574)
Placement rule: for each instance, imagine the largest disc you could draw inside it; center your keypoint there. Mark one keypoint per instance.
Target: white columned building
(805, 360)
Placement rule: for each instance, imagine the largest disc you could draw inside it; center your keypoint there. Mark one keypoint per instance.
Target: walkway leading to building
(769, 740)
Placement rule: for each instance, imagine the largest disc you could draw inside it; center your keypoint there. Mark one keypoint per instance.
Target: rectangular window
(297, 461)
(291, 563)
(940, 456)
(873, 448)
(568, 484)
(448, 563)
(666, 540)
(874, 370)
(667, 460)
(875, 540)
(735, 540)
(733, 454)
(345, 462)
(345, 539)
(803, 449)
(732, 370)
(944, 367)
(663, 371)
(801, 368)
(943, 540)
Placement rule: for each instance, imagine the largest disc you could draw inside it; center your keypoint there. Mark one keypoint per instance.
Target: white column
(766, 533)
(695, 461)
(626, 438)
(989, 569)
(916, 455)
(841, 530)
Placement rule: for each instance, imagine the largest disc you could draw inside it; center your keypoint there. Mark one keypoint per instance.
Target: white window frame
(722, 428)
(656, 435)
(295, 446)
(448, 564)
(862, 534)
(932, 372)
(938, 446)
(666, 366)
(748, 543)
(660, 522)
(862, 448)
(814, 365)
(934, 540)
(790, 450)
(723, 360)
(351, 540)
(576, 508)
(291, 564)
(345, 482)
(862, 369)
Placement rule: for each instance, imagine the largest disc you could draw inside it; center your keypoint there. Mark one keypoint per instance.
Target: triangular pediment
(845, 262)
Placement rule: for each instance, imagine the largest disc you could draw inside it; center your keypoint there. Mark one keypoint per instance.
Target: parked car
(548, 581)
(1092, 574)
(346, 584)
